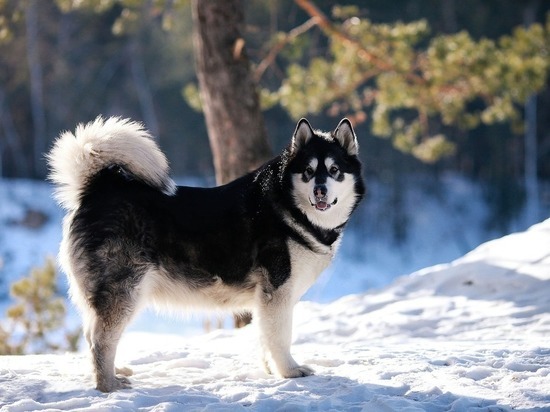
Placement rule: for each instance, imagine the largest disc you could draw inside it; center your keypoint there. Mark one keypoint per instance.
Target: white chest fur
(307, 265)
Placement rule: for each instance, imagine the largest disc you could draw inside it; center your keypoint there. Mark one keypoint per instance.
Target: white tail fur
(75, 158)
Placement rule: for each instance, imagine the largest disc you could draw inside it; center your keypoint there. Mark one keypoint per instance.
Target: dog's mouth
(322, 203)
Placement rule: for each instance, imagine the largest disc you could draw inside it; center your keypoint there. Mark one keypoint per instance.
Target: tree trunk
(143, 88)
(532, 212)
(230, 100)
(12, 142)
(448, 16)
(229, 96)
(37, 104)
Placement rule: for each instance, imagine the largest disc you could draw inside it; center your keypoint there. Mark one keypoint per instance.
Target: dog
(132, 238)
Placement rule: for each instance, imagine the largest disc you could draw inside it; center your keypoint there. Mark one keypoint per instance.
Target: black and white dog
(131, 237)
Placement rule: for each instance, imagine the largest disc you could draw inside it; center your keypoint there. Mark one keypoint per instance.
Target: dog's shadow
(313, 393)
(316, 392)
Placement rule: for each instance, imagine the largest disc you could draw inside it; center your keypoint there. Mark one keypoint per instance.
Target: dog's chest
(307, 265)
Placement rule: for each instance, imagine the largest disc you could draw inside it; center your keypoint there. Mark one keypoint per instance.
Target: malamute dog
(131, 237)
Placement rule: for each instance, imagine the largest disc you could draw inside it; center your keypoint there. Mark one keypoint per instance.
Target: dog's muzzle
(320, 198)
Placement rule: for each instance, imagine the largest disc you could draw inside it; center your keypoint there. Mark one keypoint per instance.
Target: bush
(36, 322)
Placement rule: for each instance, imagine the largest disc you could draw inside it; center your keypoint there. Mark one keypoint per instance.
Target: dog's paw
(114, 384)
(298, 372)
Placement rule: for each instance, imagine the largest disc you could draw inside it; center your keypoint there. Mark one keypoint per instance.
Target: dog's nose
(320, 191)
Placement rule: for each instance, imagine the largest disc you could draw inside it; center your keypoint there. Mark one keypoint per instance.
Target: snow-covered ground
(472, 335)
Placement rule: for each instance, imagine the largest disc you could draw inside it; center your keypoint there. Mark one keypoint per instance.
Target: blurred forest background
(431, 86)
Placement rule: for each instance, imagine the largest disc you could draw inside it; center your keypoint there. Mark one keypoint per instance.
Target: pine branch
(276, 49)
(333, 32)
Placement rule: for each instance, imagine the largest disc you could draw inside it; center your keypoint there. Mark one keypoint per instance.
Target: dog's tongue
(321, 205)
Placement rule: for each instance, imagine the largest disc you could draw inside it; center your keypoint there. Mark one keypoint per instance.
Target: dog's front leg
(274, 321)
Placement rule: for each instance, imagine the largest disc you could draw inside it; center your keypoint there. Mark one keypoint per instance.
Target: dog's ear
(345, 135)
(302, 134)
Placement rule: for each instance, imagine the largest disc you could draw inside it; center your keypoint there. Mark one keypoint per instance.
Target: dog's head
(325, 173)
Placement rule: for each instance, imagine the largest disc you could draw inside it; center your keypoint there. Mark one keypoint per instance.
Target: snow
(470, 335)
(21, 247)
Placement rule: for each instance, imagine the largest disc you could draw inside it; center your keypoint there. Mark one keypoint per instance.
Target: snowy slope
(472, 335)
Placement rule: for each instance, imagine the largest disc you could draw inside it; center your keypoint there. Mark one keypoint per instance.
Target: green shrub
(36, 322)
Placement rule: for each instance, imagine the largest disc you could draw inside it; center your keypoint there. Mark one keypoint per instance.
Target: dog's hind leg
(104, 338)
(106, 322)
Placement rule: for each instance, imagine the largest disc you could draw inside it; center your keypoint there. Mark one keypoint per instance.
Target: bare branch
(332, 31)
(276, 49)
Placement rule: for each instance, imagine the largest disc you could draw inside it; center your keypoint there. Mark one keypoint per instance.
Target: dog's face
(326, 173)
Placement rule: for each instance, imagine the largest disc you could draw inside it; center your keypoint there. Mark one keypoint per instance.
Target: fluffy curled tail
(76, 158)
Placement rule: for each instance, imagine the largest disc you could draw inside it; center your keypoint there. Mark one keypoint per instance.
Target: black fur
(201, 234)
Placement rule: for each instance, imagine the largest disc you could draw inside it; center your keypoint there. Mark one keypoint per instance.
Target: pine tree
(36, 322)
(412, 86)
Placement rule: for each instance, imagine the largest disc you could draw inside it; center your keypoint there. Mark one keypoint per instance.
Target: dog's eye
(309, 171)
(334, 169)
